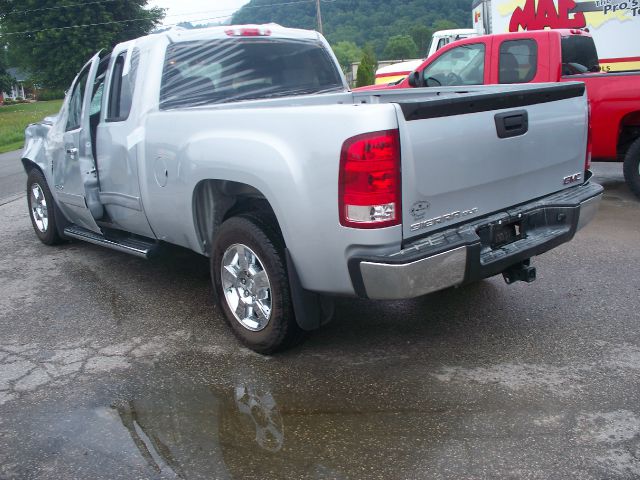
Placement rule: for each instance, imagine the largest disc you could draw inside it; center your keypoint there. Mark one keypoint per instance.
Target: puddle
(196, 415)
(225, 421)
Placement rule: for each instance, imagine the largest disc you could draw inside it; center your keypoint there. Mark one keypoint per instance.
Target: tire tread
(632, 167)
(51, 237)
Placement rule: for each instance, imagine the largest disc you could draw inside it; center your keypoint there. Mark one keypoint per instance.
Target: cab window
(123, 79)
(518, 61)
(463, 65)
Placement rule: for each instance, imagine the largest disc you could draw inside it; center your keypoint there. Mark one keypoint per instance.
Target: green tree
(444, 24)
(401, 47)
(347, 53)
(53, 40)
(421, 35)
(5, 78)
(367, 69)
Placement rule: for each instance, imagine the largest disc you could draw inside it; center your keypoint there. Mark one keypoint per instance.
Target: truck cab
(510, 58)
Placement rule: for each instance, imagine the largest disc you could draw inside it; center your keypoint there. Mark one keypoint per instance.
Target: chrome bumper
(462, 255)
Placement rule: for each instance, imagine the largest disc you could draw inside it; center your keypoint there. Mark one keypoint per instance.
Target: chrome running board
(133, 246)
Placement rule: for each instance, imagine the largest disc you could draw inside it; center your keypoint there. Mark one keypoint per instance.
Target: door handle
(72, 152)
(512, 124)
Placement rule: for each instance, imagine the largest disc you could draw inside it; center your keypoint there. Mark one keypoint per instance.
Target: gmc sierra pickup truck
(244, 144)
(546, 56)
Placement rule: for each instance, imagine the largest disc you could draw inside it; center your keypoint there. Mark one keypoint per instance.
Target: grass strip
(15, 118)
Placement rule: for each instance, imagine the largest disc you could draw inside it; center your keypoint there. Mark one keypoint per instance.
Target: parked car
(245, 145)
(395, 72)
(547, 56)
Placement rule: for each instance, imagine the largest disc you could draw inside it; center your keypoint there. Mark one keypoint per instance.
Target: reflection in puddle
(157, 455)
(185, 432)
(263, 411)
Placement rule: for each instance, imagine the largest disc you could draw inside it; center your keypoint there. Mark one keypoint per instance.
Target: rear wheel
(41, 208)
(248, 270)
(632, 167)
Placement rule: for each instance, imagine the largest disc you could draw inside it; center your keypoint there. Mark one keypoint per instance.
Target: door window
(518, 61)
(96, 100)
(75, 103)
(463, 65)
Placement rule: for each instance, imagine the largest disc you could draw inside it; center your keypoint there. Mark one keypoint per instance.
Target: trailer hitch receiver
(520, 272)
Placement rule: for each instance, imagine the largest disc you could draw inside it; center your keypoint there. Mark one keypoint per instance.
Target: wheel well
(215, 201)
(629, 132)
(29, 165)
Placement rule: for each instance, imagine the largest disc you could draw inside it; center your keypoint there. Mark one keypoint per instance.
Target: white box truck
(614, 24)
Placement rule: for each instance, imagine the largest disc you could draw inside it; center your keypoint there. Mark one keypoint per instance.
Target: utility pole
(319, 15)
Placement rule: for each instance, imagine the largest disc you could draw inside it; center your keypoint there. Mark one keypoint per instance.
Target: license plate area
(499, 234)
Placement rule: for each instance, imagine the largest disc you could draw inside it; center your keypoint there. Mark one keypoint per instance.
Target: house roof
(18, 74)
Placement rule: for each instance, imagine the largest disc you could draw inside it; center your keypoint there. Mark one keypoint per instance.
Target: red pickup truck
(547, 56)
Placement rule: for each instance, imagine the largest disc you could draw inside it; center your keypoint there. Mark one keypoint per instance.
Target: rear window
(579, 55)
(228, 70)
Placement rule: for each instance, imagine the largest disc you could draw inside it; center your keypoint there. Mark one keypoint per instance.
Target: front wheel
(41, 208)
(249, 274)
(632, 167)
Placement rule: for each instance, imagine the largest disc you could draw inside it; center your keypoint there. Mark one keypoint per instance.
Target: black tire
(632, 167)
(46, 232)
(281, 330)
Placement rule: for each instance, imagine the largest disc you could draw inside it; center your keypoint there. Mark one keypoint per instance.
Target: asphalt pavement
(114, 367)
(12, 177)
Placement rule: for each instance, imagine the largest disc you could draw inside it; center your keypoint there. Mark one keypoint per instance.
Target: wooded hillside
(365, 21)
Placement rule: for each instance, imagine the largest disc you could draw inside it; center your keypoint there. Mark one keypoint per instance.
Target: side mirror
(415, 79)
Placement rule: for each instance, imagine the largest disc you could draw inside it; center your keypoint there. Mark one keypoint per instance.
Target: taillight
(587, 160)
(370, 189)
(248, 32)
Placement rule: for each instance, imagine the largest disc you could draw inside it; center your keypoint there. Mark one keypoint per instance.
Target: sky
(197, 11)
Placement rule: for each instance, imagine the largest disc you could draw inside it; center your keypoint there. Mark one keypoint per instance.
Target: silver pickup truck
(245, 144)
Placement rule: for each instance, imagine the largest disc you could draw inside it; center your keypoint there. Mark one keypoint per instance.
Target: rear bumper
(468, 253)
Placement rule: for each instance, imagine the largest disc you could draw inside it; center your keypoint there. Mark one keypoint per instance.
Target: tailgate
(477, 153)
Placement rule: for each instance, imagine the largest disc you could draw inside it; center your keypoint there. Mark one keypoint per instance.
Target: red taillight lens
(370, 189)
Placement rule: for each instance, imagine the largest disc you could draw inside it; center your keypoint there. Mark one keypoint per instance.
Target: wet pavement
(114, 367)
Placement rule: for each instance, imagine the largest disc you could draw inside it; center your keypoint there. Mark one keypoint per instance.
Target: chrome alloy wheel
(39, 210)
(246, 287)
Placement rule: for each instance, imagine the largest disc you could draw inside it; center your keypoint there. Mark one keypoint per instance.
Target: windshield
(228, 70)
(579, 55)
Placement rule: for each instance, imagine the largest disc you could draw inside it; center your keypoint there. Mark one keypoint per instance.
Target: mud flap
(311, 310)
